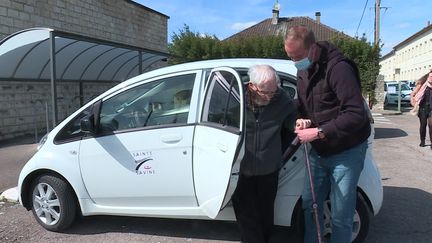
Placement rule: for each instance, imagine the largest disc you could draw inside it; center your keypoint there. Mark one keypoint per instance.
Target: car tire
(386, 102)
(361, 224)
(52, 202)
(365, 216)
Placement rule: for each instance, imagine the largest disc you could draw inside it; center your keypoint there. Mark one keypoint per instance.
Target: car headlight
(42, 141)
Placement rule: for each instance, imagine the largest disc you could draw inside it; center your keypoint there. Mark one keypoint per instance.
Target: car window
(72, 130)
(222, 105)
(160, 102)
(288, 83)
(405, 87)
(395, 87)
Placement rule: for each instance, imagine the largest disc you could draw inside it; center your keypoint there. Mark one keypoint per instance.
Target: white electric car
(168, 143)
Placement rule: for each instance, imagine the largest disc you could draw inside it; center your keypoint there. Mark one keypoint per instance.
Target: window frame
(147, 81)
(205, 93)
(81, 135)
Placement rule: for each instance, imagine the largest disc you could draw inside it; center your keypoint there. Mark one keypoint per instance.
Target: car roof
(280, 65)
(396, 82)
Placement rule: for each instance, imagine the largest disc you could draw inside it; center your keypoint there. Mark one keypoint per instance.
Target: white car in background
(168, 143)
(391, 93)
(410, 83)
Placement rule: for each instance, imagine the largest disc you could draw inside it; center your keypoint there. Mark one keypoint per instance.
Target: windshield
(395, 87)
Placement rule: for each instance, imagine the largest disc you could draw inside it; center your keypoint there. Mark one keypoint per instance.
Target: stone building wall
(23, 104)
(379, 93)
(26, 106)
(120, 21)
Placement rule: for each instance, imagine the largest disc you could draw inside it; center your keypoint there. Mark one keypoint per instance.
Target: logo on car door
(143, 163)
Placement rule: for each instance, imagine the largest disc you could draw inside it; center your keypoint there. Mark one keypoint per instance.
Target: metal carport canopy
(43, 54)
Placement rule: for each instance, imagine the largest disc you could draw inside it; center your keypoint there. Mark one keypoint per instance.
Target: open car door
(219, 141)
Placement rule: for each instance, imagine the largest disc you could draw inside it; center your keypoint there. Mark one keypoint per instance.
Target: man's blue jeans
(339, 175)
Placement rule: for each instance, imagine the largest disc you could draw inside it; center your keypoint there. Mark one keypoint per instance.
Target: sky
(400, 19)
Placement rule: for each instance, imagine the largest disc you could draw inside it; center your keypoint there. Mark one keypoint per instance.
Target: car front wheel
(53, 204)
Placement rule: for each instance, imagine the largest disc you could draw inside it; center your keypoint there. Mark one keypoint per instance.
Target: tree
(188, 46)
(366, 56)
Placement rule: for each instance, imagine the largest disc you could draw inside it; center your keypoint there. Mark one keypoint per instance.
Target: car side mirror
(87, 124)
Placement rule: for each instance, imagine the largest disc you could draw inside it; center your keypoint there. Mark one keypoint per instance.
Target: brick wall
(22, 104)
(115, 20)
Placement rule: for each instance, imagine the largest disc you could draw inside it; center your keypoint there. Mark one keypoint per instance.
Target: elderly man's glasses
(255, 89)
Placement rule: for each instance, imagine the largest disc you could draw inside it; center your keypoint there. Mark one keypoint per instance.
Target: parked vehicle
(410, 83)
(391, 91)
(168, 143)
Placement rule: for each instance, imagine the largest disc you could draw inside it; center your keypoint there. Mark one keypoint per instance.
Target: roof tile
(266, 28)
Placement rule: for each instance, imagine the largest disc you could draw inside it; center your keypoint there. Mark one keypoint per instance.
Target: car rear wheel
(361, 220)
(53, 203)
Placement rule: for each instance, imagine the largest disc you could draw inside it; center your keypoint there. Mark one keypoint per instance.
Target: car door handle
(174, 138)
(222, 147)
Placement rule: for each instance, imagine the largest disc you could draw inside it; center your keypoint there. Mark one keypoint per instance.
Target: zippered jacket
(330, 95)
(263, 153)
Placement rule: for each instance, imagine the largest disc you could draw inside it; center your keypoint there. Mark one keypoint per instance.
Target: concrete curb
(10, 195)
(392, 113)
(387, 112)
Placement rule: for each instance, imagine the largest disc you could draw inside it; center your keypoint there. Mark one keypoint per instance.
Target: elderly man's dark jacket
(263, 153)
(330, 95)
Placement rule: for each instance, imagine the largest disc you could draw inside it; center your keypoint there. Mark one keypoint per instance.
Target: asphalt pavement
(406, 171)
(13, 156)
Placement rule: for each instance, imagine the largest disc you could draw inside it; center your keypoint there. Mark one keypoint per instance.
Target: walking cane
(314, 202)
(287, 154)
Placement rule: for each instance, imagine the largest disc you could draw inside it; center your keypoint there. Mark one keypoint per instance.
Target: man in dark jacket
(269, 109)
(335, 122)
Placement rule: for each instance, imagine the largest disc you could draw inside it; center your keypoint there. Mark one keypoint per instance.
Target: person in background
(421, 99)
(269, 109)
(335, 122)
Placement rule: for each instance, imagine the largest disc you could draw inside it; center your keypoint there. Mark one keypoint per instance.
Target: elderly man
(269, 110)
(335, 122)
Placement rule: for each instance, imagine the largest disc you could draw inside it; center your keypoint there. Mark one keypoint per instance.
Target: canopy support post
(53, 79)
(140, 60)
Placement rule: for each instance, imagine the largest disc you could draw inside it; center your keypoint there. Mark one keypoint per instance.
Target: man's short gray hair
(301, 33)
(259, 73)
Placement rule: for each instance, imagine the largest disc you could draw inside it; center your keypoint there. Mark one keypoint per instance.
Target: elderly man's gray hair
(262, 72)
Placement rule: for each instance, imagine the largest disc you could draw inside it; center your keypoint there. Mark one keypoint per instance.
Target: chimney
(428, 23)
(276, 9)
(318, 17)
